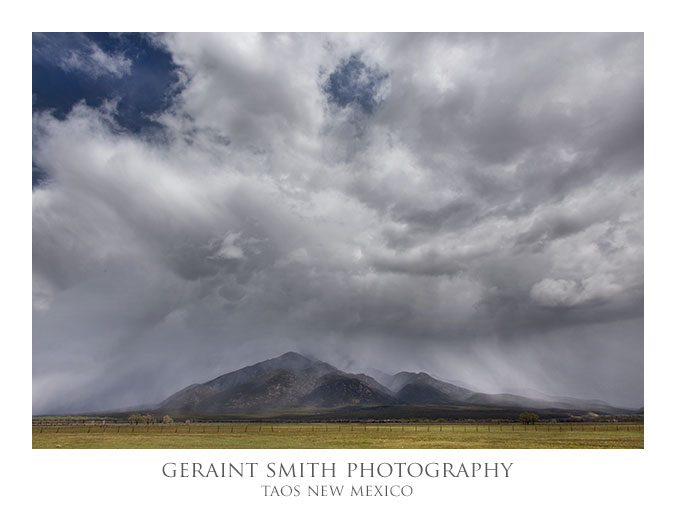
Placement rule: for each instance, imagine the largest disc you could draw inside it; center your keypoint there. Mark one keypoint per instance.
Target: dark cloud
(466, 204)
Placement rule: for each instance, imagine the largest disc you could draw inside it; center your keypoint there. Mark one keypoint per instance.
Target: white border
(545, 477)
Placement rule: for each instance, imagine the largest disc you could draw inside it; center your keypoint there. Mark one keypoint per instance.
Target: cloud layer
(471, 205)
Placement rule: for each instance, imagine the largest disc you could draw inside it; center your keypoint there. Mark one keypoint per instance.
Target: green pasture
(344, 435)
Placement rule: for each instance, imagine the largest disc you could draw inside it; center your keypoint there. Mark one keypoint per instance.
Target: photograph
(349, 240)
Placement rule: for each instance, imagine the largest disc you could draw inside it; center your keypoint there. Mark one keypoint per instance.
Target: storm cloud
(466, 204)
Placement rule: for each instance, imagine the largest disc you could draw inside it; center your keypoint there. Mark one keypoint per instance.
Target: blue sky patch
(353, 83)
(95, 67)
(70, 67)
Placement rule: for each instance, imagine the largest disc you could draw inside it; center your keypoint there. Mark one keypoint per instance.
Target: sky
(470, 205)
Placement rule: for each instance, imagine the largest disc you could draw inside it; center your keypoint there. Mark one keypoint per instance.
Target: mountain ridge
(292, 382)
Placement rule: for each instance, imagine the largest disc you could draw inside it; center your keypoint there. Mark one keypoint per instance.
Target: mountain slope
(338, 390)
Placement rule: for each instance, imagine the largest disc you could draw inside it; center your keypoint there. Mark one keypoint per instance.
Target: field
(345, 435)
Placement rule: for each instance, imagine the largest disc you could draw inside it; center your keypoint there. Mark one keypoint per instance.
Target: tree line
(148, 419)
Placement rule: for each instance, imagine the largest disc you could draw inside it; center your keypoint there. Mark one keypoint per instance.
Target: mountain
(407, 383)
(293, 382)
(288, 381)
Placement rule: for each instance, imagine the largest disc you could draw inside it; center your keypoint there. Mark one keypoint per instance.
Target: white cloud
(228, 248)
(569, 293)
(95, 62)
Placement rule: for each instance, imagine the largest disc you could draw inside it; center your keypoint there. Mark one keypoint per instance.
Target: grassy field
(345, 435)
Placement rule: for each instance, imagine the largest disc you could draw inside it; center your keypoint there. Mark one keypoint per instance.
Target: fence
(122, 426)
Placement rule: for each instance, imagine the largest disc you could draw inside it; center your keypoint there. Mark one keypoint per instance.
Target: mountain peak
(291, 355)
(292, 361)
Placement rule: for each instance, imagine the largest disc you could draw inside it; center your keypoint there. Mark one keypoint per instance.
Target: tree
(167, 419)
(528, 418)
(135, 418)
(148, 419)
